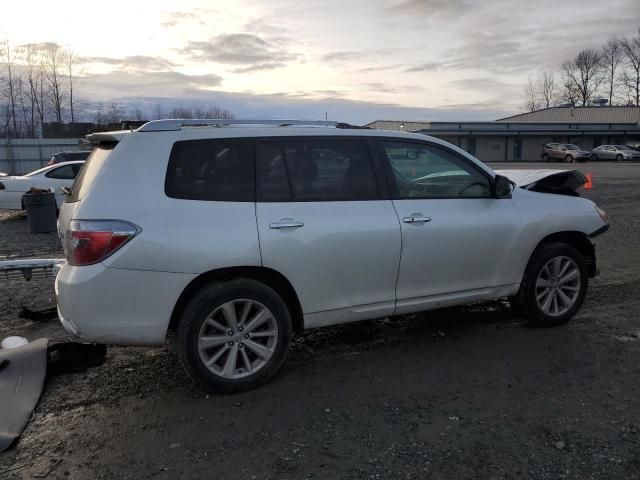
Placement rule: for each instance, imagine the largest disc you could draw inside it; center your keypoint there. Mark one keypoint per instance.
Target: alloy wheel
(558, 286)
(237, 338)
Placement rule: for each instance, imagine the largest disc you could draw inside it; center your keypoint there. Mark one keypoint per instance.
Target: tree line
(606, 75)
(41, 83)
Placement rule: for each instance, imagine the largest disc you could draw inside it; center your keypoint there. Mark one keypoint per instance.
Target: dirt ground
(454, 394)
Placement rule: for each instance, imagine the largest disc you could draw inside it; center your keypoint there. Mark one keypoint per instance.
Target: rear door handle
(286, 223)
(416, 219)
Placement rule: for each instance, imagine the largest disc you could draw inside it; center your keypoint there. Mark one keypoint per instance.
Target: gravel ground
(459, 393)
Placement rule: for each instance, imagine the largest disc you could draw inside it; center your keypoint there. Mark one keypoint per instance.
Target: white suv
(236, 235)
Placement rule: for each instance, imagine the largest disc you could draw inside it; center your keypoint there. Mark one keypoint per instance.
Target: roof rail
(176, 124)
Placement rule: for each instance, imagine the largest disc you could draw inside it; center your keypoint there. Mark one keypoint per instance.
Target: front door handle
(416, 218)
(286, 223)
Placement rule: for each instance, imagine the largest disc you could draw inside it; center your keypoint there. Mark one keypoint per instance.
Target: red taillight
(91, 241)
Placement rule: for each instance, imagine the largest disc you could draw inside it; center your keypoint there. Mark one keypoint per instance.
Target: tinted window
(68, 156)
(65, 173)
(88, 172)
(315, 170)
(221, 170)
(425, 171)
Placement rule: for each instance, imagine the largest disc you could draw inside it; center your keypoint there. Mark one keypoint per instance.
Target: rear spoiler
(103, 138)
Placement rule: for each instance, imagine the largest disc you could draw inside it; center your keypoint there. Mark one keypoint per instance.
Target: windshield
(572, 147)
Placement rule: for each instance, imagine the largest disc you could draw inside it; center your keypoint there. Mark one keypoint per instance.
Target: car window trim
(391, 180)
(383, 193)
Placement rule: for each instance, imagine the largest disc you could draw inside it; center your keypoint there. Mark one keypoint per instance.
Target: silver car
(235, 234)
(614, 152)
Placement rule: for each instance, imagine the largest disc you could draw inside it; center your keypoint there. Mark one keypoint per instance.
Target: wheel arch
(268, 276)
(577, 240)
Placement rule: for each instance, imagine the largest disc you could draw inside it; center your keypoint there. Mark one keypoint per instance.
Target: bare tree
(158, 112)
(631, 78)
(611, 58)
(70, 64)
(531, 96)
(547, 89)
(583, 76)
(11, 88)
(137, 114)
(202, 111)
(53, 73)
(30, 59)
(110, 113)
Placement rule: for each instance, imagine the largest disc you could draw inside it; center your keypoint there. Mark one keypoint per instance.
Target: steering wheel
(461, 192)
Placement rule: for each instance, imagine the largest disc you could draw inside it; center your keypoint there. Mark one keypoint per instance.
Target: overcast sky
(358, 60)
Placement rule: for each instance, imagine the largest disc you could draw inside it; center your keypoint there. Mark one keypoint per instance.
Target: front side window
(214, 170)
(315, 170)
(426, 171)
(63, 173)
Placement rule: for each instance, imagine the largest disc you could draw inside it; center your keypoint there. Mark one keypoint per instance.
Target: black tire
(618, 158)
(546, 158)
(569, 159)
(205, 301)
(524, 303)
(594, 158)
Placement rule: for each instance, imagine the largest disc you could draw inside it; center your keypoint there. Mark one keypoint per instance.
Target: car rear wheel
(594, 158)
(553, 287)
(569, 159)
(618, 158)
(233, 336)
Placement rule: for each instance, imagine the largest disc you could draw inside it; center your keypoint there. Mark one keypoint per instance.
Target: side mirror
(502, 187)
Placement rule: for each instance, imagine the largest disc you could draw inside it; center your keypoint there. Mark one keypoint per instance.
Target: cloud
(259, 67)
(390, 87)
(133, 63)
(340, 56)
(424, 67)
(239, 49)
(122, 84)
(430, 7)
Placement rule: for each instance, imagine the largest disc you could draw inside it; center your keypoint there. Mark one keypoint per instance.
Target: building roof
(627, 115)
(398, 125)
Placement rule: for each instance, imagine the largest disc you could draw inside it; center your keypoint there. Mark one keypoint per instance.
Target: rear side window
(315, 170)
(215, 170)
(88, 173)
(63, 173)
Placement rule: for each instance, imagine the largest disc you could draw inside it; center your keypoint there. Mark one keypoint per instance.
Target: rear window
(214, 170)
(88, 173)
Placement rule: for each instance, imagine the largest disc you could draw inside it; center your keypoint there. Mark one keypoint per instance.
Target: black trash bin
(41, 211)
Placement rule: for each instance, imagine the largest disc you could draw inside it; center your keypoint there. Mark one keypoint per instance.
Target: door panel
(345, 255)
(464, 246)
(456, 237)
(323, 225)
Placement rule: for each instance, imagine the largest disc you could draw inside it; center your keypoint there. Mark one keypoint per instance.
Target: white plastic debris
(13, 342)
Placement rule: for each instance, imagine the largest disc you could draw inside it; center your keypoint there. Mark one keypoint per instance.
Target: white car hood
(547, 181)
(522, 178)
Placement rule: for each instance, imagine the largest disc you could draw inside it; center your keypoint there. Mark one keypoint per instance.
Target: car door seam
(395, 292)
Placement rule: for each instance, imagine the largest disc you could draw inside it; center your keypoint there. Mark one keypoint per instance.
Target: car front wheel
(554, 286)
(594, 158)
(569, 159)
(233, 336)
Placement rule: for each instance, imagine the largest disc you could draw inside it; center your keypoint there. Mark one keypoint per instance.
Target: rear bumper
(117, 306)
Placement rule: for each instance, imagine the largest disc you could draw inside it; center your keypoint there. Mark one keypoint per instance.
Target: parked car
(236, 237)
(53, 177)
(61, 157)
(614, 152)
(564, 152)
